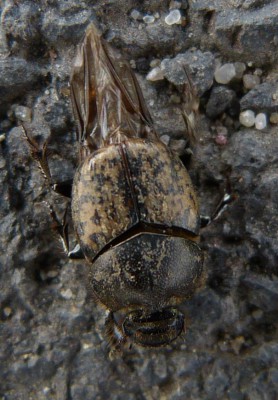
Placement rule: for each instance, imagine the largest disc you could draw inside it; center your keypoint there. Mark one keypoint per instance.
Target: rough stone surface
(51, 342)
(221, 99)
(200, 66)
(263, 97)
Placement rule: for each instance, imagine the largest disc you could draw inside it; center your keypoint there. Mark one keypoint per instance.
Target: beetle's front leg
(220, 208)
(61, 228)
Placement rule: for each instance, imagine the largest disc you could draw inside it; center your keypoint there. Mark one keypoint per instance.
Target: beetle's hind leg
(40, 155)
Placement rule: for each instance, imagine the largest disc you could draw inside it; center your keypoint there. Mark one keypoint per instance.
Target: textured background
(51, 333)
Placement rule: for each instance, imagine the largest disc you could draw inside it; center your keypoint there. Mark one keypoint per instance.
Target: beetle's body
(134, 208)
(126, 184)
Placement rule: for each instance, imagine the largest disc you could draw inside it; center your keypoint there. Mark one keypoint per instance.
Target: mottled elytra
(134, 209)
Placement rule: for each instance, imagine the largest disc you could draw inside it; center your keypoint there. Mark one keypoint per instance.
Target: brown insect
(134, 209)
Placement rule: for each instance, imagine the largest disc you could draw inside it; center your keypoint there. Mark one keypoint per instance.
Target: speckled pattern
(124, 184)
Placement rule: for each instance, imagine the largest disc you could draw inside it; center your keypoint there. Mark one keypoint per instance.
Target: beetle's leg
(220, 208)
(40, 155)
(61, 228)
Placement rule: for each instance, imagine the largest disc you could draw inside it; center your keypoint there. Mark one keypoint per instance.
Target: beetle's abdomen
(123, 184)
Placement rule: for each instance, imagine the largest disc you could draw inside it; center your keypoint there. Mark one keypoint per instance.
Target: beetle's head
(144, 328)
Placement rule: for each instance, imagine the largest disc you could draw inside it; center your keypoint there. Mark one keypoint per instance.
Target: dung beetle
(134, 209)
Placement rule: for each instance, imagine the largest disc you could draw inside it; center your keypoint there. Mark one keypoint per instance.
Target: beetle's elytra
(134, 209)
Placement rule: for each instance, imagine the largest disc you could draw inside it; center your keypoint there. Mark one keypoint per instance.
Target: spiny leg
(40, 155)
(227, 198)
(62, 188)
(61, 228)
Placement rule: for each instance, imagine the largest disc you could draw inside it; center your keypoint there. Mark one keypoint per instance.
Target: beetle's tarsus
(227, 199)
(40, 155)
(61, 229)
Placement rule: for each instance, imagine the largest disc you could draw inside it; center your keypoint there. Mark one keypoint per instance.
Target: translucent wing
(107, 101)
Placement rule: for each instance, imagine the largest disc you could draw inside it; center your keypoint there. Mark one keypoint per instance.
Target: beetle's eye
(154, 329)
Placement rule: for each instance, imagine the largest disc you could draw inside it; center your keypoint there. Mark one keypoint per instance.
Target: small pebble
(148, 19)
(165, 139)
(258, 72)
(221, 140)
(250, 81)
(155, 63)
(156, 74)
(174, 17)
(274, 118)
(2, 162)
(177, 146)
(132, 64)
(174, 4)
(247, 118)
(2, 137)
(23, 113)
(175, 99)
(135, 14)
(257, 314)
(225, 73)
(240, 68)
(260, 121)
(7, 312)
(66, 294)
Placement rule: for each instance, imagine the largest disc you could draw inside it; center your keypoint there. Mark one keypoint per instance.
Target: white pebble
(225, 73)
(148, 19)
(174, 17)
(156, 74)
(250, 81)
(135, 14)
(247, 118)
(66, 294)
(260, 121)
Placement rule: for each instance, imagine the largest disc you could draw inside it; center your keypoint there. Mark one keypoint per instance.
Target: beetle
(134, 208)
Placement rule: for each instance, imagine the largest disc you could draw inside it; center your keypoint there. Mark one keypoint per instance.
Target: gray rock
(240, 30)
(263, 97)
(16, 75)
(221, 99)
(200, 66)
